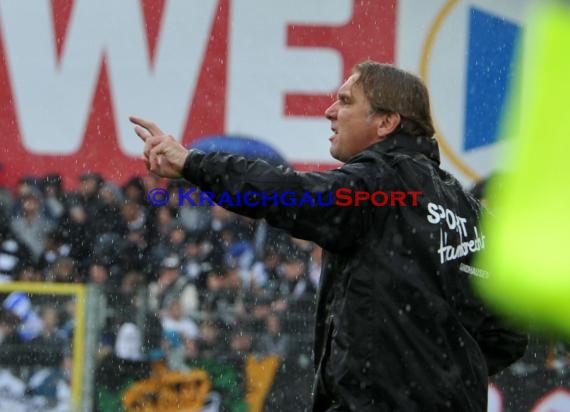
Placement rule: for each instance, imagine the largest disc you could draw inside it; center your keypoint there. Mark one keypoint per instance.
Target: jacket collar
(404, 143)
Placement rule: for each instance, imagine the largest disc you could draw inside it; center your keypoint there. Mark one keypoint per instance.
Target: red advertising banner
(67, 84)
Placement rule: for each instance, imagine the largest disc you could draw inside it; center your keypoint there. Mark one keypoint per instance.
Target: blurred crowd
(193, 286)
(213, 284)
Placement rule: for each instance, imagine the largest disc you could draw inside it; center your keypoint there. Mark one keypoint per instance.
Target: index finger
(152, 128)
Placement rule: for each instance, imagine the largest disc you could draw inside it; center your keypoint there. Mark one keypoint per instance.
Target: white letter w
(53, 100)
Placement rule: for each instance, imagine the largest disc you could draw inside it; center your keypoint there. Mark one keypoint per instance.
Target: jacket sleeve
(501, 344)
(333, 227)
(500, 341)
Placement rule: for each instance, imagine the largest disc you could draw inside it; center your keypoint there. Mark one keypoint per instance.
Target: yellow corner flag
(528, 240)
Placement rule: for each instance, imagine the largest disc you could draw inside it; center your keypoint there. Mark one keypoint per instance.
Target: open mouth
(335, 132)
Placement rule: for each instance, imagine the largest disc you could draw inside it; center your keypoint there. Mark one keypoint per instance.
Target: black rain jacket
(397, 325)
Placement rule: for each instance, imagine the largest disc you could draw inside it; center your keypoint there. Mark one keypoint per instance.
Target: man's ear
(387, 123)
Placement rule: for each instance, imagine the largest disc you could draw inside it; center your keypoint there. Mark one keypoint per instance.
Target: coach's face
(354, 127)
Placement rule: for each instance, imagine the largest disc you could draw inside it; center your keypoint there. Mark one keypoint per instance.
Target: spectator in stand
(126, 299)
(134, 190)
(252, 283)
(223, 292)
(136, 203)
(211, 343)
(99, 274)
(256, 309)
(173, 319)
(195, 257)
(274, 341)
(31, 226)
(24, 186)
(231, 239)
(76, 227)
(86, 218)
(54, 196)
(88, 196)
(14, 254)
(63, 270)
(191, 346)
(56, 247)
(194, 217)
(139, 233)
(122, 364)
(172, 285)
(11, 350)
(20, 304)
(241, 252)
(315, 266)
(6, 200)
(50, 354)
(29, 273)
(221, 219)
(292, 291)
(176, 240)
(101, 221)
(111, 200)
(135, 217)
(9, 324)
(130, 283)
(165, 221)
(51, 337)
(172, 244)
(241, 346)
(265, 271)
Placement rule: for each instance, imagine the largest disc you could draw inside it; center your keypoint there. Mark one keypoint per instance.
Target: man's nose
(330, 113)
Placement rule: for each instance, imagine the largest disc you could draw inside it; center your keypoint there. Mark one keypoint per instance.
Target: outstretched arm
(287, 193)
(233, 176)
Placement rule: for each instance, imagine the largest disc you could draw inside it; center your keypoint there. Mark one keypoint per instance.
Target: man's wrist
(190, 167)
